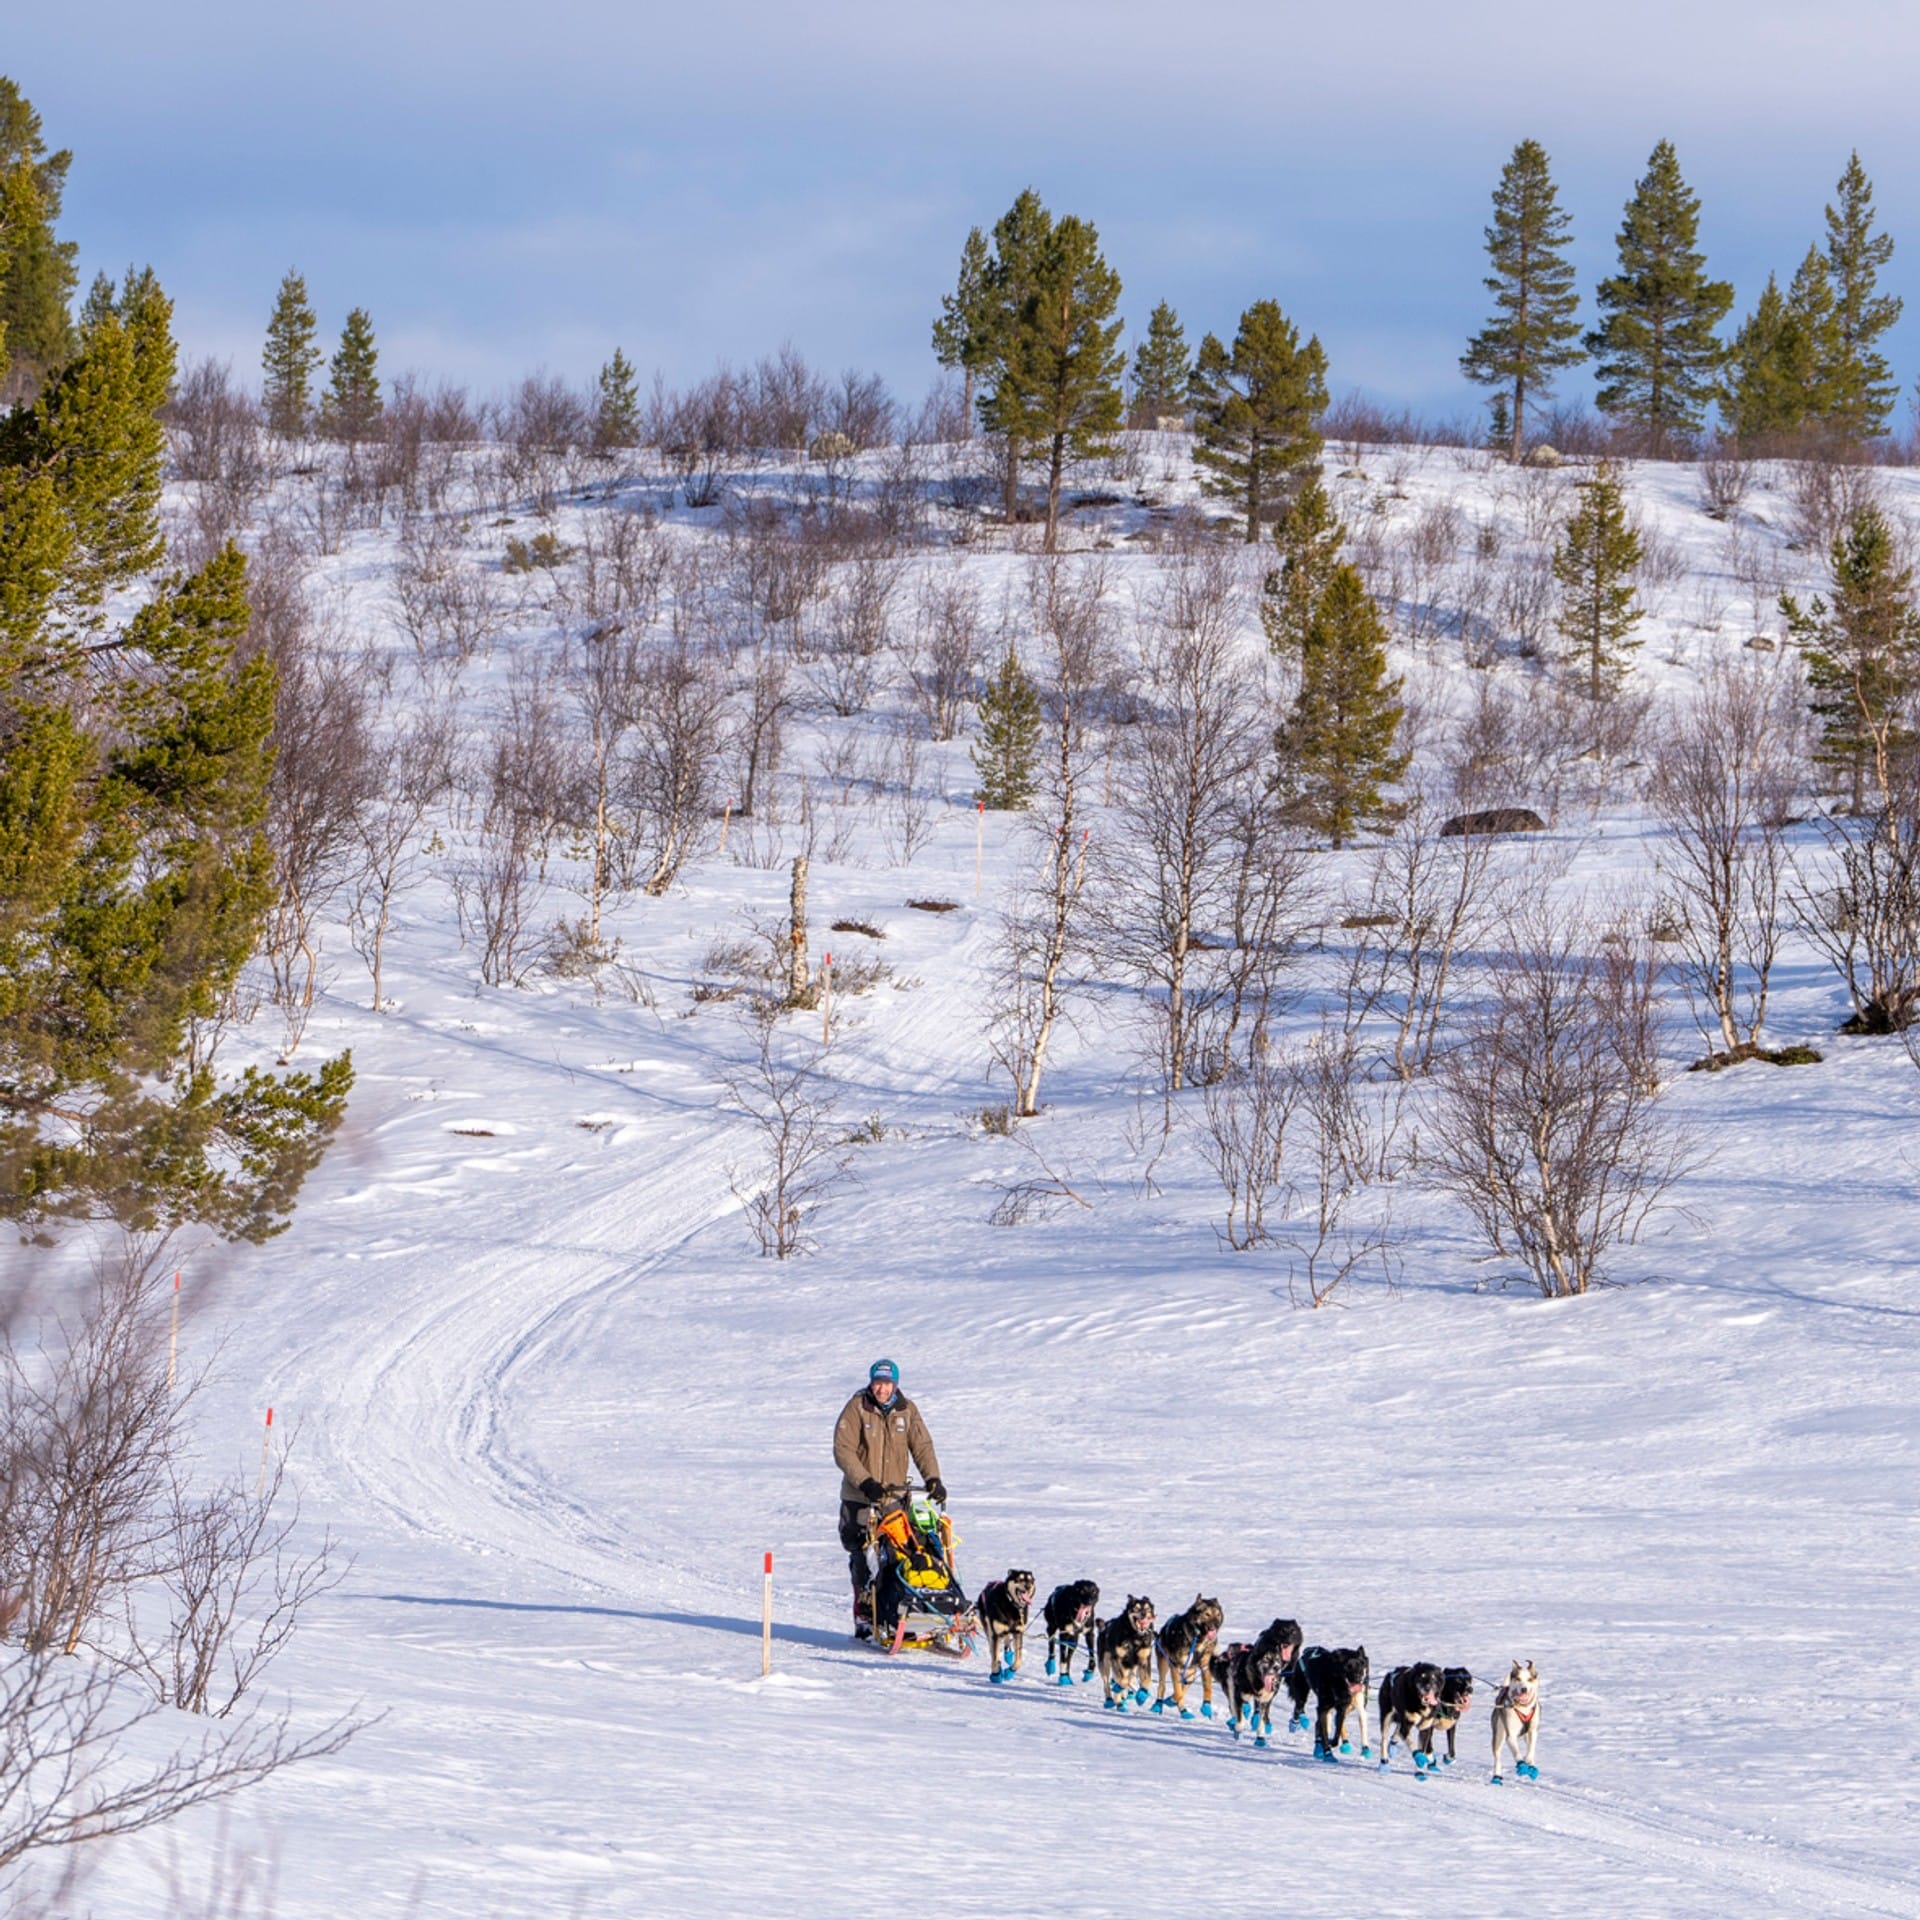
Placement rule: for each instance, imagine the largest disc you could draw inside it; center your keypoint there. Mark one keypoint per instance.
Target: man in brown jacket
(878, 1436)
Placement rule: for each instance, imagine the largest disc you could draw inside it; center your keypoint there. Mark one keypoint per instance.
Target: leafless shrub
(802, 1156)
(416, 770)
(1329, 1246)
(449, 605)
(1525, 595)
(1038, 1195)
(857, 633)
(1824, 496)
(1725, 477)
(1859, 903)
(235, 1586)
(946, 652)
(1431, 544)
(542, 422)
(1189, 770)
(909, 806)
(1548, 1129)
(217, 443)
(1725, 773)
(1429, 902)
(1248, 1111)
(1046, 923)
(1662, 567)
(324, 778)
(1755, 560)
(667, 794)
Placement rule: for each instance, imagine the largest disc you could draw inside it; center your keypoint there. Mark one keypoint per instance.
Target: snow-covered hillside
(547, 1391)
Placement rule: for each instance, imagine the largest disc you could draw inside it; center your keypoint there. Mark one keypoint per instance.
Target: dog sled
(916, 1600)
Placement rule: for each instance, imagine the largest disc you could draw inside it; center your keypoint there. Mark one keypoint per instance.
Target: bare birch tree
(1725, 774)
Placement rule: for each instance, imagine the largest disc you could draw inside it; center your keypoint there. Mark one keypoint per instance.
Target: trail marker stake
(266, 1445)
(766, 1621)
(979, 842)
(173, 1337)
(724, 819)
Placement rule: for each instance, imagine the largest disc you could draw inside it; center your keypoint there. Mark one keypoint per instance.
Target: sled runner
(918, 1603)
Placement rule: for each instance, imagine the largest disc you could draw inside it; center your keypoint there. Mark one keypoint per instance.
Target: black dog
(1069, 1615)
(1002, 1607)
(1126, 1653)
(1456, 1696)
(1337, 1679)
(1250, 1675)
(1409, 1696)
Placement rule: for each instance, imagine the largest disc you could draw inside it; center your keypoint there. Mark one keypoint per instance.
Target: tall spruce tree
(1162, 369)
(1006, 753)
(1863, 389)
(1595, 567)
(960, 333)
(37, 272)
(1309, 539)
(290, 360)
(1020, 239)
(133, 786)
(1257, 413)
(1763, 396)
(1060, 381)
(616, 404)
(351, 408)
(1533, 333)
(1335, 749)
(1863, 655)
(1655, 344)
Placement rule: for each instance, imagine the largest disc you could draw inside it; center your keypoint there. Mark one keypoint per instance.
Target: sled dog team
(1415, 1703)
(880, 1435)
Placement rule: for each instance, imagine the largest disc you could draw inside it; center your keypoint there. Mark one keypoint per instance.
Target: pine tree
(1533, 333)
(1257, 412)
(1863, 388)
(616, 409)
(95, 438)
(1309, 539)
(1760, 400)
(1863, 654)
(37, 273)
(959, 335)
(351, 408)
(1009, 743)
(133, 787)
(1655, 343)
(1336, 747)
(1060, 382)
(1020, 240)
(1595, 567)
(1162, 369)
(290, 360)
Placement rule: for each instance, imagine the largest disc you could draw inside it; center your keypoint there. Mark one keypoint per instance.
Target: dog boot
(1526, 1770)
(1065, 1680)
(1259, 1739)
(1496, 1781)
(1053, 1667)
(1139, 1696)
(1159, 1706)
(1186, 1713)
(1206, 1710)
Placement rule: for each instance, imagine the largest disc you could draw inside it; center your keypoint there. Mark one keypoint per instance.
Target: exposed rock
(1494, 820)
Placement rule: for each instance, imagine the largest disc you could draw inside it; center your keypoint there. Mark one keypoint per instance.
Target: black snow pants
(853, 1536)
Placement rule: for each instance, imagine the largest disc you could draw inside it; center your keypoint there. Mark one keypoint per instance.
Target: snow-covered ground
(558, 1408)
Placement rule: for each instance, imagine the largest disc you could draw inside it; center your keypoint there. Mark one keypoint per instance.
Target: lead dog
(1184, 1650)
(1069, 1614)
(1516, 1720)
(1251, 1675)
(1409, 1698)
(1126, 1653)
(1003, 1606)
(1456, 1696)
(1337, 1679)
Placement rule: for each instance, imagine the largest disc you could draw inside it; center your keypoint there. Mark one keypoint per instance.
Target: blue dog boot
(1420, 1763)
(1496, 1781)
(1065, 1680)
(1139, 1696)
(1186, 1713)
(1346, 1746)
(1259, 1739)
(1206, 1710)
(1527, 1770)
(1053, 1667)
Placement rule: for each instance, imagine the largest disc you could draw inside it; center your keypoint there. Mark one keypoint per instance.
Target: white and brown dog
(1516, 1720)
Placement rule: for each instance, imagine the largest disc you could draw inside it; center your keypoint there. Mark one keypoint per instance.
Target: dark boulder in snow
(1494, 820)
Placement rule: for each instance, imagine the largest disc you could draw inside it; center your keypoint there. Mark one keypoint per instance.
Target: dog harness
(1524, 1709)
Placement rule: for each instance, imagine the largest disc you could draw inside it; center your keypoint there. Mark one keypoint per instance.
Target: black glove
(938, 1488)
(871, 1490)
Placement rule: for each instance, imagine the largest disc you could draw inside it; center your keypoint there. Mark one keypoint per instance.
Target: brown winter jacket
(871, 1442)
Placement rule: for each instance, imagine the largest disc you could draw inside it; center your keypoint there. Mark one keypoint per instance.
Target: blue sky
(516, 188)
